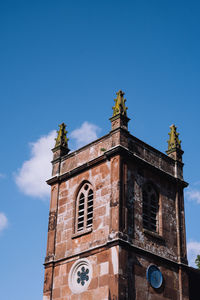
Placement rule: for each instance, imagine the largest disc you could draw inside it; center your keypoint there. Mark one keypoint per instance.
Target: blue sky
(64, 61)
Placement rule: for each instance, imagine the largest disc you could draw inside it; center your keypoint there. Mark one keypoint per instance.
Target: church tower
(116, 222)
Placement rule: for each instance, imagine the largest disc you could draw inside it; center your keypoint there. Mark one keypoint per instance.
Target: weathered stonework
(52, 221)
(117, 246)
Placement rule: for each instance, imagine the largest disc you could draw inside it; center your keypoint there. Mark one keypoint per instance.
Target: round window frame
(148, 276)
(72, 278)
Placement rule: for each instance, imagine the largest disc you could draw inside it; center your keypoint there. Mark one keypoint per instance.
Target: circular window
(80, 276)
(154, 276)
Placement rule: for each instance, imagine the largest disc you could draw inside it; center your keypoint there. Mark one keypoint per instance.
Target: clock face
(154, 276)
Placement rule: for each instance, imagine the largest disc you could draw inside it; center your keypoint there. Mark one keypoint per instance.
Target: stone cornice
(117, 242)
(128, 135)
(83, 167)
(117, 150)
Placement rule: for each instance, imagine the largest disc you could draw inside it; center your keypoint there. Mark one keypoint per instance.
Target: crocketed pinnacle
(173, 142)
(62, 139)
(120, 107)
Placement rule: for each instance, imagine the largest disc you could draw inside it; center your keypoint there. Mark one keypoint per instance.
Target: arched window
(84, 208)
(150, 208)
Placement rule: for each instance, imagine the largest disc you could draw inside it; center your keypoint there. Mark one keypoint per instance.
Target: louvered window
(84, 209)
(150, 208)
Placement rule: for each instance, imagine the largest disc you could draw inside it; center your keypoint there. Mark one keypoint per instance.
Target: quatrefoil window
(83, 276)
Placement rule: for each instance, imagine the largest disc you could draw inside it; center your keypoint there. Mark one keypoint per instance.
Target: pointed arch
(150, 207)
(84, 207)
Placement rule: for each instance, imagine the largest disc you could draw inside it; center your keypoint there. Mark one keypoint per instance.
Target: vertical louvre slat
(80, 219)
(90, 209)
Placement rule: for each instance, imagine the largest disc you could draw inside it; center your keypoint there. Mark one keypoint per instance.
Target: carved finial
(173, 142)
(62, 139)
(120, 107)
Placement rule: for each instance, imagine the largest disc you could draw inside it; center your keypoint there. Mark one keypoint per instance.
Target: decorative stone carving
(80, 276)
(62, 139)
(173, 142)
(120, 107)
(52, 221)
(48, 280)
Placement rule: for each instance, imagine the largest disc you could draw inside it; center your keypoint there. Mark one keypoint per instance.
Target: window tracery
(84, 208)
(150, 207)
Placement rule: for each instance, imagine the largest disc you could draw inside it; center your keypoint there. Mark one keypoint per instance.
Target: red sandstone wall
(133, 281)
(166, 246)
(104, 279)
(66, 243)
(116, 185)
(97, 149)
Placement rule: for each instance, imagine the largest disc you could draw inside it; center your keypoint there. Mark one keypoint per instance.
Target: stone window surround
(88, 197)
(75, 286)
(157, 221)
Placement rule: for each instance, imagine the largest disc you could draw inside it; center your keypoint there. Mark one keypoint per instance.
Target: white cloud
(3, 221)
(193, 195)
(193, 249)
(31, 177)
(85, 134)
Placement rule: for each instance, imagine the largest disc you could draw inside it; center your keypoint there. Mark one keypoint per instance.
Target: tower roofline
(148, 146)
(103, 148)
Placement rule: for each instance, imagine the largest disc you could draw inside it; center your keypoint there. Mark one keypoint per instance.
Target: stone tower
(116, 223)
